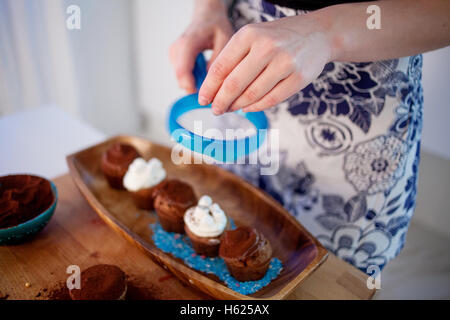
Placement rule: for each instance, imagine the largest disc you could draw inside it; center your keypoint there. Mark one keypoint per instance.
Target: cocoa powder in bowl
(22, 198)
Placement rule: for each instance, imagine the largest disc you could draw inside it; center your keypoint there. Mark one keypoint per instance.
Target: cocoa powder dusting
(3, 296)
(176, 193)
(239, 242)
(100, 282)
(23, 197)
(57, 292)
(138, 288)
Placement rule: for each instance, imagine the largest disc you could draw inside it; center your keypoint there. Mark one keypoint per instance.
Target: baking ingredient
(23, 197)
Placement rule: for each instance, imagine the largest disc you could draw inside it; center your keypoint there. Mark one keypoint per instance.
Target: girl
(345, 96)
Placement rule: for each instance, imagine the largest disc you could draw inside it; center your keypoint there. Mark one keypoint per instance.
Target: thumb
(183, 58)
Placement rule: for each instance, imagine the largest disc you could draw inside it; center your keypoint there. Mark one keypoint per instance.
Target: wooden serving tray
(298, 250)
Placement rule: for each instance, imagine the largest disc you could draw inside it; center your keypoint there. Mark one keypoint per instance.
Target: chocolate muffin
(246, 252)
(101, 282)
(115, 162)
(204, 224)
(145, 198)
(173, 198)
(143, 179)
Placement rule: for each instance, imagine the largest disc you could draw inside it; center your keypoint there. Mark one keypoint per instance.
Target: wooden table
(77, 236)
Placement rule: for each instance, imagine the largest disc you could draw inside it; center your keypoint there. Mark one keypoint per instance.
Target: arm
(265, 63)
(407, 28)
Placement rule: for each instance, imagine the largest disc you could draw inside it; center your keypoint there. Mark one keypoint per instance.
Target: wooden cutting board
(77, 236)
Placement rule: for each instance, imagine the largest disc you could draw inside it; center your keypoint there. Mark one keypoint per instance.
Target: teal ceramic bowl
(23, 231)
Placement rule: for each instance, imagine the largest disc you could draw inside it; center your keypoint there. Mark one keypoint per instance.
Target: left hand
(265, 63)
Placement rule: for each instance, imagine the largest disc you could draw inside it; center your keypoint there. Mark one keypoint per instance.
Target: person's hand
(210, 29)
(265, 63)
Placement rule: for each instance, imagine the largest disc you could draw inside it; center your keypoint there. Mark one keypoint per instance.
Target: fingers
(227, 60)
(182, 55)
(236, 82)
(218, 45)
(283, 90)
(267, 80)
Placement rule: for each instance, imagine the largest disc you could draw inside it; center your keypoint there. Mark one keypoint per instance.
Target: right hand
(210, 29)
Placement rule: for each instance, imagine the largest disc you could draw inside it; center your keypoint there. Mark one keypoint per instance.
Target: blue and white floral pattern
(292, 187)
(359, 248)
(349, 151)
(338, 212)
(376, 165)
(347, 90)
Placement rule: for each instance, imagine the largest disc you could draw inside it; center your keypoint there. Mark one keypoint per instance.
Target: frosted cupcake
(246, 252)
(115, 161)
(172, 200)
(204, 224)
(142, 180)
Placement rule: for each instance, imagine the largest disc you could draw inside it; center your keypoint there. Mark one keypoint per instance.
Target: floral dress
(349, 151)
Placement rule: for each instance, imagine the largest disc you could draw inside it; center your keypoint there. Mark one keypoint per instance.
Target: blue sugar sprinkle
(180, 246)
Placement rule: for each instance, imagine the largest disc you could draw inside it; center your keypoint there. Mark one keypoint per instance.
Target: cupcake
(204, 224)
(173, 198)
(115, 162)
(101, 282)
(142, 180)
(246, 252)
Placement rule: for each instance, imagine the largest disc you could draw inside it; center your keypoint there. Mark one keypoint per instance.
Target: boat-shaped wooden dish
(297, 249)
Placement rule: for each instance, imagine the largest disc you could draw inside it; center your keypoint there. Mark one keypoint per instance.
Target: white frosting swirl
(207, 219)
(142, 174)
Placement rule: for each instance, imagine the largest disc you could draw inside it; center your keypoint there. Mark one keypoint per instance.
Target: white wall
(35, 57)
(436, 85)
(88, 72)
(104, 65)
(433, 201)
(157, 23)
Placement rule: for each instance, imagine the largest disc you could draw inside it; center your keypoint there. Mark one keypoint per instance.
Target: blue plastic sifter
(227, 151)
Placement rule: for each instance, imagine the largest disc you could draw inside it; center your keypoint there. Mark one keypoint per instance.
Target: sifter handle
(199, 70)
